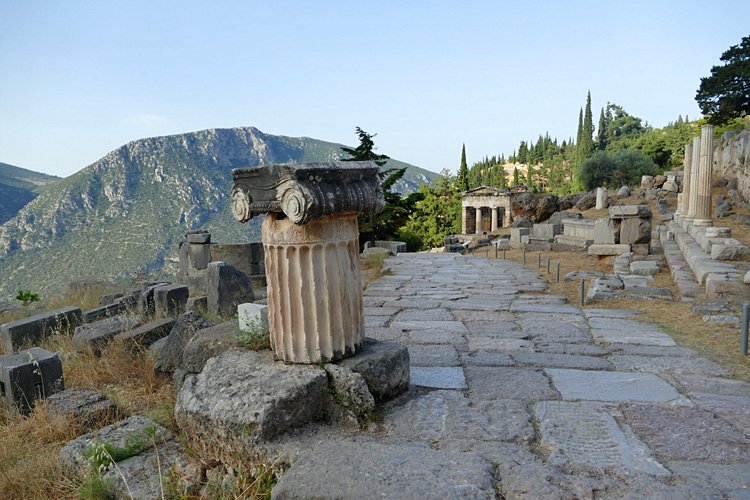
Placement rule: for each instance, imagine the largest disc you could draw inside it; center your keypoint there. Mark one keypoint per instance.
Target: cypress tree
(462, 181)
(586, 144)
(602, 132)
(579, 134)
(516, 178)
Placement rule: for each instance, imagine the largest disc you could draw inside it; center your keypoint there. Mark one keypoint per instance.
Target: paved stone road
(517, 394)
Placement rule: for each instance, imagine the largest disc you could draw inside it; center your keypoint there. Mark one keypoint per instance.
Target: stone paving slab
(438, 377)
(544, 308)
(562, 348)
(435, 337)
(357, 469)
(442, 415)
(478, 304)
(626, 331)
(498, 344)
(665, 364)
(610, 313)
(585, 435)
(733, 409)
(380, 311)
(413, 303)
(444, 326)
(495, 329)
(483, 358)
(498, 317)
(433, 355)
(439, 314)
(651, 350)
(376, 321)
(713, 385)
(543, 359)
(508, 383)
(575, 385)
(732, 479)
(385, 333)
(692, 434)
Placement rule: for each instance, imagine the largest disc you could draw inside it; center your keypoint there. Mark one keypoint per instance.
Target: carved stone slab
(303, 191)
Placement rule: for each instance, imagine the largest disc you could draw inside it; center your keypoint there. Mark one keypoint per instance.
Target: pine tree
(366, 150)
(516, 177)
(462, 182)
(529, 177)
(579, 134)
(586, 144)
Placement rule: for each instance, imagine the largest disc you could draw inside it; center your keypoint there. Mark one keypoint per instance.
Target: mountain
(126, 213)
(19, 186)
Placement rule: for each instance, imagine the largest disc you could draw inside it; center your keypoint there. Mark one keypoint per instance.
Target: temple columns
(703, 195)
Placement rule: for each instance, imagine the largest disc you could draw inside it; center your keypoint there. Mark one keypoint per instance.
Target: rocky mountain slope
(126, 213)
(19, 186)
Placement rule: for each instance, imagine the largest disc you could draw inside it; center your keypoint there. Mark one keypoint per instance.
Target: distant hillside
(19, 186)
(127, 212)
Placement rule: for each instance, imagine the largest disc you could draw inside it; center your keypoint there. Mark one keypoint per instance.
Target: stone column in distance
(703, 207)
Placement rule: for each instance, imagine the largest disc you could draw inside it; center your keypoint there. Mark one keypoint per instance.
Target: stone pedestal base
(702, 222)
(314, 288)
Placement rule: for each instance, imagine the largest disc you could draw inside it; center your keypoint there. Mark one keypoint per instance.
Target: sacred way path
(516, 394)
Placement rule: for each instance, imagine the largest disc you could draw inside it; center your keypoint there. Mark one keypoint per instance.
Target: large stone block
(86, 408)
(597, 249)
(252, 316)
(602, 198)
(604, 232)
(34, 328)
(28, 376)
(624, 211)
(243, 399)
(146, 298)
(106, 311)
(97, 335)
(207, 343)
(384, 366)
(635, 230)
(169, 356)
(227, 287)
(545, 231)
(170, 300)
(145, 335)
(200, 237)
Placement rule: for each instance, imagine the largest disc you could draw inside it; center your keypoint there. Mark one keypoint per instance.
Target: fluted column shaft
(464, 220)
(493, 226)
(703, 207)
(686, 180)
(478, 226)
(694, 164)
(314, 288)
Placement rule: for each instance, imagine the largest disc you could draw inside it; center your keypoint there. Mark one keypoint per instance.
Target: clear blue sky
(81, 78)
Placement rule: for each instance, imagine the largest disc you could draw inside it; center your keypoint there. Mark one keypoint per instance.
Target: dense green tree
(366, 149)
(529, 176)
(601, 133)
(579, 134)
(437, 214)
(586, 143)
(516, 177)
(612, 170)
(463, 171)
(726, 93)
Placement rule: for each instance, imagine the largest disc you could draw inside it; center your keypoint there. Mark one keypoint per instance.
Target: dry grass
(29, 459)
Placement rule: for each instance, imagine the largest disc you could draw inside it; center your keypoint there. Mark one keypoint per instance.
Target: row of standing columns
(694, 206)
(495, 220)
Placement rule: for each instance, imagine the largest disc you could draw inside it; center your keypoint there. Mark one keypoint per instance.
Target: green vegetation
(624, 167)
(256, 337)
(725, 94)
(26, 297)
(366, 149)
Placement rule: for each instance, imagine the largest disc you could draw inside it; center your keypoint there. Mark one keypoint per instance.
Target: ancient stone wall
(732, 160)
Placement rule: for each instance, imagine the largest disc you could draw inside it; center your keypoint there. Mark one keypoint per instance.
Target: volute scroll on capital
(303, 191)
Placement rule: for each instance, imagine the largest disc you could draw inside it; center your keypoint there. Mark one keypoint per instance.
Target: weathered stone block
(145, 335)
(29, 375)
(199, 256)
(731, 250)
(601, 249)
(350, 388)
(198, 304)
(34, 328)
(200, 237)
(86, 408)
(545, 231)
(207, 343)
(623, 211)
(384, 366)
(136, 430)
(516, 233)
(146, 298)
(644, 268)
(107, 311)
(635, 230)
(171, 299)
(602, 198)
(604, 232)
(252, 316)
(97, 335)
(243, 399)
(169, 355)
(227, 287)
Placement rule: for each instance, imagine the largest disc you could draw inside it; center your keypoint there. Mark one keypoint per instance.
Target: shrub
(27, 297)
(624, 167)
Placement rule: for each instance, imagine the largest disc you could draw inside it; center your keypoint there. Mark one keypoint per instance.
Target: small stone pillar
(464, 220)
(703, 207)
(478, 224)
(602, 198)
(311, 242)
(694, 163)
(684, 207)
(493, 225)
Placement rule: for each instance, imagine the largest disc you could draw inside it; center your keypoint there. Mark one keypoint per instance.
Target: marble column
(493, 226)
(703, 207)
(311, 241)
(464, 220)
(314, 288)
(478, 224)
(686, 181)
(694, 163)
